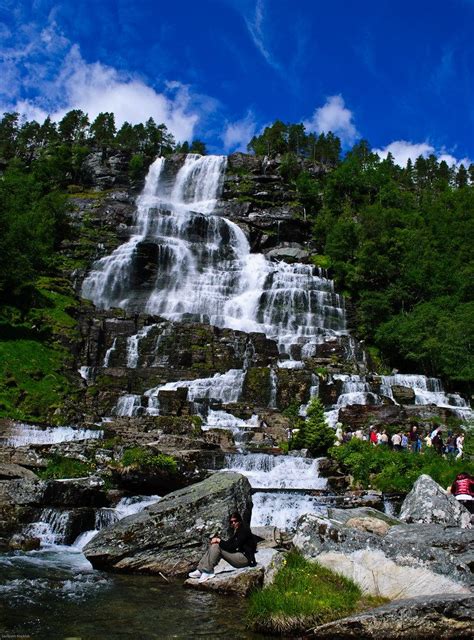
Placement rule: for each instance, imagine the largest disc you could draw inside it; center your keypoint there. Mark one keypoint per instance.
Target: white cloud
(54, 71)
(255, 28)
(334, 116)
(238, 134)
(402, 150)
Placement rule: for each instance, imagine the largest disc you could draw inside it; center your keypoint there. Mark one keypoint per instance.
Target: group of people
(411, 440)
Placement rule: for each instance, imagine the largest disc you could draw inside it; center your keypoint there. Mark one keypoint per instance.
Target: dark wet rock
(408, 561)
(327, 467)
(403, 395)
(439, 616)
(76, 492)
(24, 542)
(293, 386)
(171, 535)
(289, 252)
(358, 415)
(428, 502)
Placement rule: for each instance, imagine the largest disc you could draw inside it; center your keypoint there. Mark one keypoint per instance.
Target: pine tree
(315, 434)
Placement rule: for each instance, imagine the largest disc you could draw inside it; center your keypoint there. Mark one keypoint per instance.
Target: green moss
(36, 354)
(257, 386)
(88, 195)
(304, 594)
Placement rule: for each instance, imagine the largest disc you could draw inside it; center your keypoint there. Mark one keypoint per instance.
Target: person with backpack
(239, 550)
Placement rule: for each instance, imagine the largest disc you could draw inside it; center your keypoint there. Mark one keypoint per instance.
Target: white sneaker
(205, 576)
(195, 574)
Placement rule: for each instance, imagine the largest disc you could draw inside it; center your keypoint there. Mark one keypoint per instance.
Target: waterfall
(277, 472)
(222, 387)
(128, 405)
(133, 344)
(427, 391)
(200, 266)
(109, 352)
(20, 435)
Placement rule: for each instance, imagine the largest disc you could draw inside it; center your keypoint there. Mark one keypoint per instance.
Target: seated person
(238, 551)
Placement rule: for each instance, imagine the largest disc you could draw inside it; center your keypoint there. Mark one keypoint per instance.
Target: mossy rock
(257, 386)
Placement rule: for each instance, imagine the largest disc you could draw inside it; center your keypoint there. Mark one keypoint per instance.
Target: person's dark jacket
(242, 540)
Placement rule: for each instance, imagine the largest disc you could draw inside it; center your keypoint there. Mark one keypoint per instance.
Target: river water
(48, 595)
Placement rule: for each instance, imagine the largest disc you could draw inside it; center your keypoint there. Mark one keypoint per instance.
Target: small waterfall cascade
(427, 390)
(204, 270)
(222, 387)
(51, 528)
(355, 390)
(20, 435)
(129, 405)
(53, 525)
(133, 344)
(358, 390)
(277, 472)
(282, 485)
(108, 353)
(241, 429)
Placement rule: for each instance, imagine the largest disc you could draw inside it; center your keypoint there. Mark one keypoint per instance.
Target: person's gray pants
(214, 553)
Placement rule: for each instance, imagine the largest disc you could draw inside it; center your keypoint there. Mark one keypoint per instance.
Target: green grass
(34, 353)
(304, 594)
(31, 383)
(395, 471)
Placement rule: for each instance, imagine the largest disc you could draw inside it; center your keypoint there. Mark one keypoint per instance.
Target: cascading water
(285, 481)
(20, 435)
(358, 390)
(204, 270)
(427, 391)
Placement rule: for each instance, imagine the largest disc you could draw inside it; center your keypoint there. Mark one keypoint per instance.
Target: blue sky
(399, 74)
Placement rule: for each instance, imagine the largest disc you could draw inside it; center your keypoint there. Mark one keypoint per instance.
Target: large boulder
(449, 617)
(407, 561)
(16, 471)
(171, 535)
(428, 502)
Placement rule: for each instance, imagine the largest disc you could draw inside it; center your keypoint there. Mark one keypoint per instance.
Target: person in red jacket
(463, 490)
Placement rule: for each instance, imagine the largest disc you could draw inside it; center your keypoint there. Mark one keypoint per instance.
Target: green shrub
(395, 471)
(143, 458)
(61, 467)
(303, 594)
